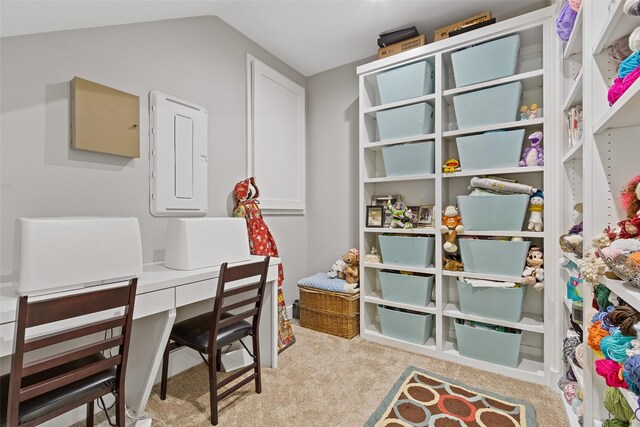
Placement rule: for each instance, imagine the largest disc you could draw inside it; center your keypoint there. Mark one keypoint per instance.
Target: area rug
(423, 399)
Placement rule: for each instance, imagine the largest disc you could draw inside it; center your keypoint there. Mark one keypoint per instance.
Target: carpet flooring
(324, 380)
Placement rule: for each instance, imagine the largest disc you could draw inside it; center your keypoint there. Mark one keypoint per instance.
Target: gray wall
(332, 165)
(201, 60)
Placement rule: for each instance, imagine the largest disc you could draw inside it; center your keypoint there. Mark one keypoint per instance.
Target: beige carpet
(329, 381)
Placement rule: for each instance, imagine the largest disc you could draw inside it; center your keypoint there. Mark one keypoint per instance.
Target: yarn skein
(620, 86)
(615, 346)
(596, 333)
(634, 40)
(628, 65)
(623, 316)
(617, 405)
(610, 371)
(632, 7)
(601, 294)
(631, 372)
(632, 386)
(635, 348)
(579, 356)
(570, 391)
(613, 422)
(621, 49)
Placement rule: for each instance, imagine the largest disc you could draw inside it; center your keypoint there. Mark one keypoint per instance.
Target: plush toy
(351, 266)
(536, 204)
(451, 165)
(533, 274)
(630, 197)
(533, 111)
(452, 264)
(336, 270)
(534, 155)
(401, 217)
(524, 112)
(451, 226)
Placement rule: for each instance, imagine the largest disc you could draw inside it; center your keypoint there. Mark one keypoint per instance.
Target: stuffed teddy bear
(351, 266)
(451, 226)
(534, 155)
(452, 264)
(533, 273)
(536, 206)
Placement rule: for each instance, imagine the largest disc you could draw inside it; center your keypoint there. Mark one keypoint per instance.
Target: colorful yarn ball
(615, 346)
(632, 7)
(613, 422)
(620, 50)
(628, 65)
(601, 294)
(568, 345)
(635, 389)
(634, 40)
(595, 335)
(565, 21)
(635, 348)
(579, 355)
(611, 372)
(631, 372)
(617, 405)
(575, 4)
(563, 381)
(570, 391)
(620, 86)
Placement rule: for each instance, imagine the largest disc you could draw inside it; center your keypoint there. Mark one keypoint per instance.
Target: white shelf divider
(627, 292)
(428, 270)
(574, 44)
(426, 98)
(616, 25)
(574, 153)
(376, 298)
(376, 146)
(574, 97)
(400, 178)
(497, 171)
(481, 129)
(429, 231)
(624, 113)
(529, 322)
(529, 79)
(483, 276)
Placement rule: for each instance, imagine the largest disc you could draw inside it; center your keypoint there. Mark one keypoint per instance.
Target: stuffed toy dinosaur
(534, 155)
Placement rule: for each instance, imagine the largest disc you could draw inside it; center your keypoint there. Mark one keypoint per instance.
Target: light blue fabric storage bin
(407, 251)
(498, 257)
(486, 61)
(409, 159)
(409, 81)
(412, 120)
(502, 212)
(497, 303)
(490, 150)
(502, 348)
(406, 326)
(488, 106)
(407, 289)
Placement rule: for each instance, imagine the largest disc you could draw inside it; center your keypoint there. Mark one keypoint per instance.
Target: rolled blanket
(502, 186)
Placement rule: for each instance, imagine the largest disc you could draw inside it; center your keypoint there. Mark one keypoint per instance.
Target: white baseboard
(290, 312)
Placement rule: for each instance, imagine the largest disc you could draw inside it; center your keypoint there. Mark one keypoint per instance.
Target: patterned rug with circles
(423, 399)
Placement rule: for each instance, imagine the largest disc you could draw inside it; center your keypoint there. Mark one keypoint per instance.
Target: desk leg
(149, 337)
(269, 326)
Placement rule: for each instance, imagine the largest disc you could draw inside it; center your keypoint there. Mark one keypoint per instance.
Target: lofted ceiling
(310, 35)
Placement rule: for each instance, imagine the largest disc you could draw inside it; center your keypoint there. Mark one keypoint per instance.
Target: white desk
(160, 292)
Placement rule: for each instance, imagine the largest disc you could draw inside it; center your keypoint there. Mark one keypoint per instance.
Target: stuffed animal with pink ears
(533, 155)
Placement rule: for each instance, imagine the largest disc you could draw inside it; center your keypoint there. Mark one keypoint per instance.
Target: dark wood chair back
(250, 298)
(38, 313)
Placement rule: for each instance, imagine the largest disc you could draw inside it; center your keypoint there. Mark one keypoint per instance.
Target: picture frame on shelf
(426, 217)
(415, 211)
(382, 201)
(375, 216)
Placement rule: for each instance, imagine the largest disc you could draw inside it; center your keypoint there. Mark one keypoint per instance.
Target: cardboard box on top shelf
(443, 33)
(402, 46)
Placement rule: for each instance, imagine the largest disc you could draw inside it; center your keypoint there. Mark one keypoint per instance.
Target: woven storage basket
(330, 312)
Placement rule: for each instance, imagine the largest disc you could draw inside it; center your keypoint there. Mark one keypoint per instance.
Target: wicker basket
(330, 312)
(624, 267)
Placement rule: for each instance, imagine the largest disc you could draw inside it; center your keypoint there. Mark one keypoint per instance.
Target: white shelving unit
(595, 171)
(539, 349)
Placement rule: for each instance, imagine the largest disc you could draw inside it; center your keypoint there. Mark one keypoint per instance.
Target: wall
(332, 165)
(201, 60)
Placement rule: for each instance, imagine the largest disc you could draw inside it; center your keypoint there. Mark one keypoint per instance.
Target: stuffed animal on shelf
(401, 217)
(451, 226)
(533, 111)
(534, 155)
(451, 165)
(373, 256)
(536, 206)
(351, 266)
(336, 271)
(524, 112)
(452, 264)
(533, 274)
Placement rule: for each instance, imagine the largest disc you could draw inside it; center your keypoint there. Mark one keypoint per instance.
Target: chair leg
(256, 358)
(213, 388)
(165, 373)
(219, 360)
(121, 419)
(90, 408)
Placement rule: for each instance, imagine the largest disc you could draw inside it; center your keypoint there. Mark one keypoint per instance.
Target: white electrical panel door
(178, 157)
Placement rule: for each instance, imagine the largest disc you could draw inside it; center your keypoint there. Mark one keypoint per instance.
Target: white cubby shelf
(535, 64)
(624, 113)
(574, 44)
(574, 97)
(615, 26)
(574, 153)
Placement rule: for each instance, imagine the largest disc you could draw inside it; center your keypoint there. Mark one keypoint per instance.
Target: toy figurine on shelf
(533, 112)
(451, 166)
(452, 263)
(524, 112)
(451, 226)
(373, 256)
(533, 155)
(533, 274)
(401, 216)
(536, 206)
